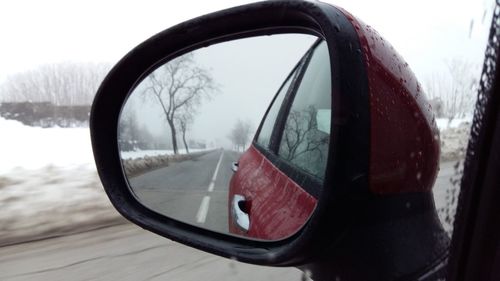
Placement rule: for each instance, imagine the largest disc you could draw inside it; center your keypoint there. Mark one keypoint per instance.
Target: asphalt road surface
(193, 191)
(127, 252)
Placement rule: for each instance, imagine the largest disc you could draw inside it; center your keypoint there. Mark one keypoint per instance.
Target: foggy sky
(248, 73)
(425, 33)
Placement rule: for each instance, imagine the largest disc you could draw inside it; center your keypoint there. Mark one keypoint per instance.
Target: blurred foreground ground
(125, 253)
(50, 202)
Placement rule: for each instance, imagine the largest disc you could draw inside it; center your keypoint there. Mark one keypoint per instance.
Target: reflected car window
(270, 119)
(306, 136)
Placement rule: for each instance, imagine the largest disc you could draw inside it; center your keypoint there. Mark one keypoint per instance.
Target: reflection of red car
(266, 200)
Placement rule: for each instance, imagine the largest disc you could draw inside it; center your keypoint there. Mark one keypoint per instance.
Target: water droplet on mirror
(419, 175)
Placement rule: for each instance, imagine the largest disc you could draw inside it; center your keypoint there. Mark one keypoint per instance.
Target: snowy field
(49, 186)
(31, 148)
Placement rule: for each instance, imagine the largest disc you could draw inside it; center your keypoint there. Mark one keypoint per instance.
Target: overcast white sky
(35, 32)
(426, 33)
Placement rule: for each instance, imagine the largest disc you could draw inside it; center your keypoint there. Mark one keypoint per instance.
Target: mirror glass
(190, 142)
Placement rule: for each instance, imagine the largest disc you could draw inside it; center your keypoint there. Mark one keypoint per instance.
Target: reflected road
(193, 191)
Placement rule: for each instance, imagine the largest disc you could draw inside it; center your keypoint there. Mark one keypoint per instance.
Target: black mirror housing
(315, 18)
(347, 192)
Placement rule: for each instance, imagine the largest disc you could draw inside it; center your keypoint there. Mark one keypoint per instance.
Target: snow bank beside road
(52, 201)
(153, 153)
(454, 142)
(48, 183)
(137, 166)
(454, 138)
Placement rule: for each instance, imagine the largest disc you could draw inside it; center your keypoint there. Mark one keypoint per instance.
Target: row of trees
(65, 84)
(453, 94)
(135, 136)
(240, 134)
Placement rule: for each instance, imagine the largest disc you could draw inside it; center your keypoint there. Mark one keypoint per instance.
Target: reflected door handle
(234, 166)
(240, 215)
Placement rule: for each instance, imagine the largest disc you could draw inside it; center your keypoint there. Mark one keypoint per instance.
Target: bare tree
(240, 134)
(185, 119)
(59, 84)
(301, 136)
(178, 85)
(455, 91)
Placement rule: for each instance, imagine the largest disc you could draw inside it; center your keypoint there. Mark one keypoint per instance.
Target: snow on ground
(52, 201)
(445, 123)
(454, 137)
(34, 148)
(48, 183)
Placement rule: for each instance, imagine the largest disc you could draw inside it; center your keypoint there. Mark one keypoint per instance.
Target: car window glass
(306, 135)
(270, 119)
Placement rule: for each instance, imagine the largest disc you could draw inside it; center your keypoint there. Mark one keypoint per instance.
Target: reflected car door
(276, 183)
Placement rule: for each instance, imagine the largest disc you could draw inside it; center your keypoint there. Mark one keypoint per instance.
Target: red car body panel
(398, 107)
(277, 206)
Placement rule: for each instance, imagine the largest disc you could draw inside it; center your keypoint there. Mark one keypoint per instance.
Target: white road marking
(211, 187)
(201, 216)
(212, 183)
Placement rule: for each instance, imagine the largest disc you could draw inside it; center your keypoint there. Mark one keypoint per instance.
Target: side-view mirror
(283, 133)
